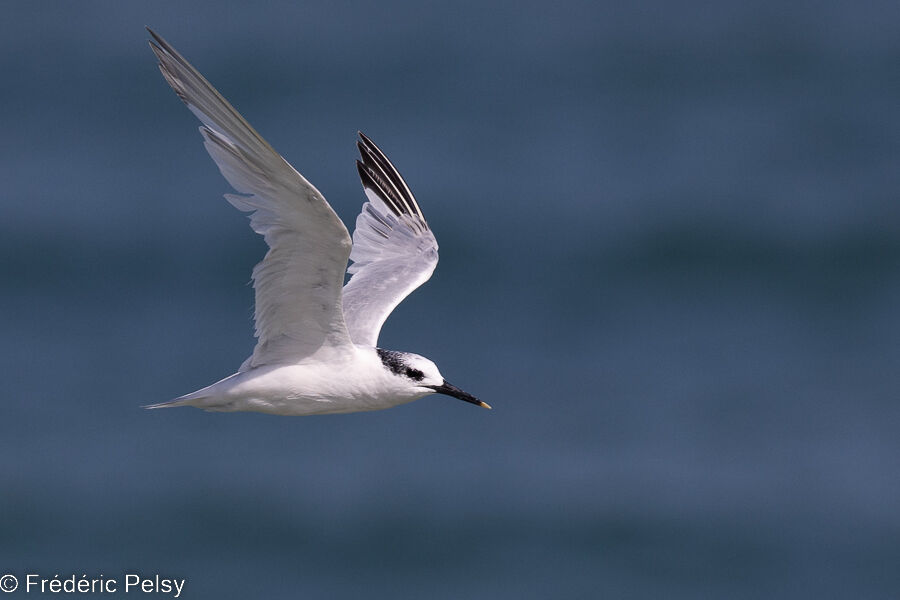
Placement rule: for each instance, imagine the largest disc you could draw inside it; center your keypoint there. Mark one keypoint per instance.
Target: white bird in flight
(316, 350)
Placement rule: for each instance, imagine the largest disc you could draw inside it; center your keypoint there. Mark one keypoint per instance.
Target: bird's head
(424, 374)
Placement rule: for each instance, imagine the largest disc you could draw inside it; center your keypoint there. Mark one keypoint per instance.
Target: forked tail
(192, 399)
(170, 403)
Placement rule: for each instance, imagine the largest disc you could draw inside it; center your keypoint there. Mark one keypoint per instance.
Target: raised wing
(298, 283)
(394, 251)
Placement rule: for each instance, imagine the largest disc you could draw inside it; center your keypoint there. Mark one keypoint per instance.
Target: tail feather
(186, 400)
(207, 398)
(170, 403)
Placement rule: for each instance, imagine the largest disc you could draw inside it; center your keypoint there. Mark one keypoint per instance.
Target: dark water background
(670, 238)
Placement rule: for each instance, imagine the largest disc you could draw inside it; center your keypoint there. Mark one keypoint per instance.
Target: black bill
(451, 390)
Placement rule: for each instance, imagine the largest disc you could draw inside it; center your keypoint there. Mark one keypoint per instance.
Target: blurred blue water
(670, 246)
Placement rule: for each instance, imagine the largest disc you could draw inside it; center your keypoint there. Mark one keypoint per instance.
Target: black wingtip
(371, 181)
(366, 145)
(155, 36)
(159, 45)
(163, 46)
(386, 173)
(362, 171)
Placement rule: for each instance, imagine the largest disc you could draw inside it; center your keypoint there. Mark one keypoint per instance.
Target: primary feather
(298, 283)
(394, 251)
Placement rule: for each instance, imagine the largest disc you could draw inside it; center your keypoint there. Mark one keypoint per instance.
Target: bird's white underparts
(317, 339)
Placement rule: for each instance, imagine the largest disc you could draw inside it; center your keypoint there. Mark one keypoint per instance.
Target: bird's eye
(415, 374)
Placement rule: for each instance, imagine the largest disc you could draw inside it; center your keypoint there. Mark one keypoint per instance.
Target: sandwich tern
(317, 339)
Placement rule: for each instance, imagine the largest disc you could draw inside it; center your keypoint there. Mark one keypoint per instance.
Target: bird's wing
(394, 251)
(298, 283)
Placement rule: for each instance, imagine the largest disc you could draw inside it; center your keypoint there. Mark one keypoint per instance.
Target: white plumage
(316, 348)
